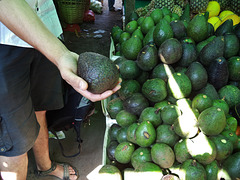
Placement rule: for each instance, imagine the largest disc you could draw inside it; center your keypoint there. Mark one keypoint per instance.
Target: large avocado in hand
(98, 71)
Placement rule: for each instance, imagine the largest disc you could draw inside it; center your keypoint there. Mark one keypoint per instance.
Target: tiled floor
(93, 37)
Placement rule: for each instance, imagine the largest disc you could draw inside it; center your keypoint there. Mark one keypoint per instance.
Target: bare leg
(41, 149)
(14, 168)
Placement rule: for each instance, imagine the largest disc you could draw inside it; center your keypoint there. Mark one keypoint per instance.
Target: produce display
(178, 110)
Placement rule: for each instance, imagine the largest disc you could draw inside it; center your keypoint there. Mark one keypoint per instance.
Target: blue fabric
(111, 3)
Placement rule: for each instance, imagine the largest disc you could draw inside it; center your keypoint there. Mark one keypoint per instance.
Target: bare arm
(18, 16)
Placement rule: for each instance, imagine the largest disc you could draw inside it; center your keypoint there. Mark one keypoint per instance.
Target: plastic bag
(89, 16)
(96, 6)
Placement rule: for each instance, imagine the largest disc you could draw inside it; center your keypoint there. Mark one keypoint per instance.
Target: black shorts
(28, 83)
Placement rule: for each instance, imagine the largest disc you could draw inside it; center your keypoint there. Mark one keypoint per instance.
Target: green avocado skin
(98, 71)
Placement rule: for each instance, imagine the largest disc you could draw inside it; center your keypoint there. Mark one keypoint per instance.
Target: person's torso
(46, 11)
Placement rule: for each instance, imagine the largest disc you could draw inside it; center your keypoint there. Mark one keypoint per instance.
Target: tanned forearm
(18, 16)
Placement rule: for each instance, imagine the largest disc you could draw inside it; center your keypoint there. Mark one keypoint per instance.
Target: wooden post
(129, 8)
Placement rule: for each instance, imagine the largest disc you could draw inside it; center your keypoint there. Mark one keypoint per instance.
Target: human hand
(68, 69)
(97, 97)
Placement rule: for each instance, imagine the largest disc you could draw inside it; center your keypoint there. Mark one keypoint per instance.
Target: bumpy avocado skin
(98, 71)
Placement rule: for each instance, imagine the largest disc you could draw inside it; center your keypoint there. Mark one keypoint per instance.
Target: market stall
(177, 113)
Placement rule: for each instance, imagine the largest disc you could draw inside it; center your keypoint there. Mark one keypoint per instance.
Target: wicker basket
(71, 11)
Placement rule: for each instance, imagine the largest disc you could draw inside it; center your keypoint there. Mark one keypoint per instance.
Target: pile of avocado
(178, 107)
